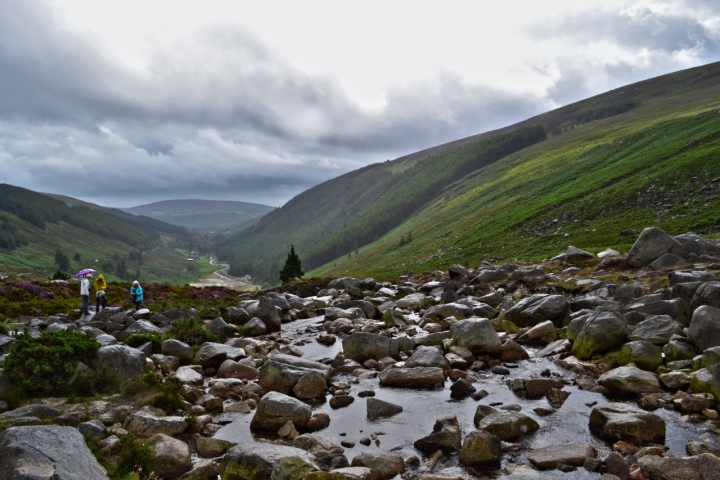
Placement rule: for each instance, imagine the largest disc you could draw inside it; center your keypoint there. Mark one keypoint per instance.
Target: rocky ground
(583, 366)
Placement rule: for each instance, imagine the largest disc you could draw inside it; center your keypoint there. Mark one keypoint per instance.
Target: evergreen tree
(292, 268)
(61, 260)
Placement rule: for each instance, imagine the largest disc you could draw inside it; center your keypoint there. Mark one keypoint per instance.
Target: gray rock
(214, 354)
(657, 329)
(255, 461)
(641, 353)
(630, 380)
(364, 346)
(122, 361)
(650, 245)
(480, 448)
(144, 424)
(276, 409)
(575, 454)
(233, 369)
(705, 327)
(678, 349)
(383, 466)
(219, 327)
(412, 377)
(478, 336)
(539, 308)
(93, 428)
(508, 425)
(666, 260)
(142, 326)
(280, 373)
(701, 467)
(377, 408)
(311, 385)
(675, 308)
(176, 348)
(620, 421)
(427, 357)
(601, 332)
(512, 351)
(574, 254)
(172, 457)
(440, 312)
(316, 445)
(266, 311)
(236, 316)
(446, 437)
(541, 334)
(627, 293)
(254, 328)
(35, 410)
(47, 452)
(180, 313)
(189, 376)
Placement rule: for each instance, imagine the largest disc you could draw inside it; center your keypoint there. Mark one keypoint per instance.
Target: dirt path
(220, 278)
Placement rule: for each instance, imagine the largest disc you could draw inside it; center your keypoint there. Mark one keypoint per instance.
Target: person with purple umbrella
(85, 293)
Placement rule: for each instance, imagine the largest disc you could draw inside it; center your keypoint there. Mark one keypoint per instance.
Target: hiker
(85, 293)
(136, 292)
(100, 297)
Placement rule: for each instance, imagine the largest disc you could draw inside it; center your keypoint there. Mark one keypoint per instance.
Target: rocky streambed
(583, 366)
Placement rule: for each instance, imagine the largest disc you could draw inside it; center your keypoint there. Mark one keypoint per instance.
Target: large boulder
(214, 354)
(275, 409)
(643, 354)
(233, 369)
(176, 348)
(601, 332)
(707, 294)
(630, 380)
(705, 327)
(621, 421)
(445, 436)
(172, 456)
(480, 448)
(700, 467)
(508, 425)
(280, 373)
(256, 461)
(377, 408)
(651, 244)
(439, 312)
(383, 466)
(412, 377)
(477, 335)
(266, 311)
(538, 308)
(427, 357)
(365, 346)
(657, 329)
(120, 360)
(47, 452)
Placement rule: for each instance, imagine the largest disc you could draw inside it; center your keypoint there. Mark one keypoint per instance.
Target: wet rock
(172, 457)
(364, 346)
(480, 448)
(446, 436)
(379, 408)
(512, 351)
(288, 431)
(316, 445)
(318, 421)
(47, 452)
(144, 424)
(462, 387)
(383, 466)
(656, 329)
(340, 401)
(556, 397)
(280, 373)
(212, 447)
(176, 348)
(641, 353)
(536, 309)
(616, 465)
(601, 332)
(477, 335)
(275, 409)
(541, 334)
(705, 327)
(419, 376)
(427, 357)
(630, 380)
(619, 421)
(311, 385)
(508, 425)
(346, 473)
(122, 361)
(225, 388)
(651, 244)
(548, 458)
(701, 467)
(697, 448)
(675, 380)
(257, 461)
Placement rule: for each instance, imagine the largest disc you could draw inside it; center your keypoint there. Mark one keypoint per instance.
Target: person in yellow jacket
(100, 297)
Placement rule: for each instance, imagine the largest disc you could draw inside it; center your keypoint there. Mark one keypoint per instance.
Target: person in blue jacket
(136, 292)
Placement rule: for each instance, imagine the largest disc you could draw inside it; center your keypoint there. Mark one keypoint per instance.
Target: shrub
(166, 391)
(129, 459)
(3, 329)
(189, 331)
(49, 365)
(140, 339)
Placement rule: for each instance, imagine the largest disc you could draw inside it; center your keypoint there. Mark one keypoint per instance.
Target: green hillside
(35, 228)
(593, 175)
(205, 216)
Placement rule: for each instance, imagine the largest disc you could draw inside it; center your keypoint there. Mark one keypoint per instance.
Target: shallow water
(423, 406)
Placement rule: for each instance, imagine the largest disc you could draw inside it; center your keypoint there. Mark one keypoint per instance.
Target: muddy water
(422, 407)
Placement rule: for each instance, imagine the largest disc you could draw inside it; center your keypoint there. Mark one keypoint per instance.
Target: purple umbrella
(84, 272)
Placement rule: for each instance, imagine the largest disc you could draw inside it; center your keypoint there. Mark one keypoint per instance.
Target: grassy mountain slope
(39, 225)
(656, 164)
(207, 216)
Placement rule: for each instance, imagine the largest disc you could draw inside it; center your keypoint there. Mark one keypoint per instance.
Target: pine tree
(292, 268)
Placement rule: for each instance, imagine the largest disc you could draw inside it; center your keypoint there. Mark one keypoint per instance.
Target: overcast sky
(125, 103)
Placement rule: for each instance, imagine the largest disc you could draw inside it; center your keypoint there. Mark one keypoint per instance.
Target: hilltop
(206, 216)
(632, 157)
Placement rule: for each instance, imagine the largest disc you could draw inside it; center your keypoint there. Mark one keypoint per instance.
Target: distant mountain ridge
(205, 216)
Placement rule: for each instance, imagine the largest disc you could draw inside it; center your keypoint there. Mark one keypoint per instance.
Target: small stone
(364, 441)
(347, 443)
